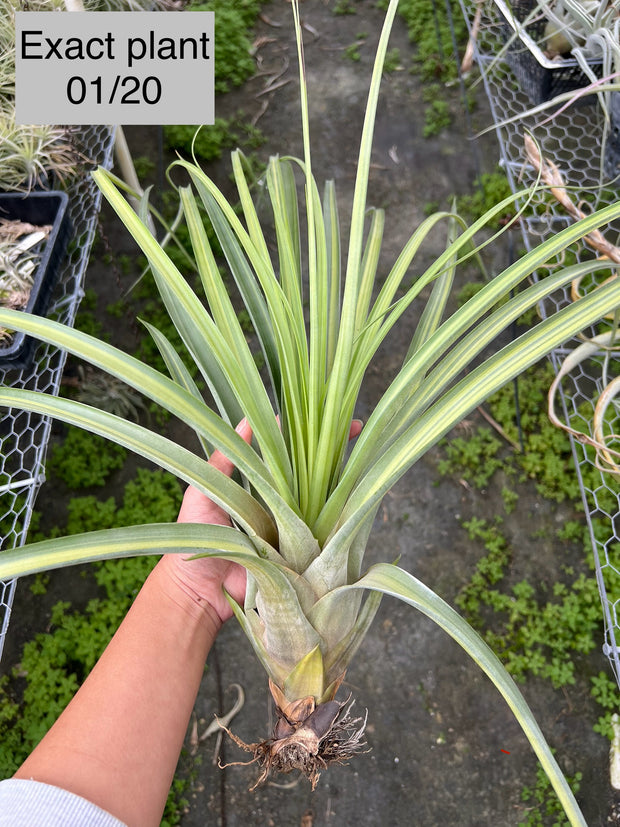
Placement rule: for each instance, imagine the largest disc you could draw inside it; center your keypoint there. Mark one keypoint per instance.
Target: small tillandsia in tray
(34, 235)
(20, 252)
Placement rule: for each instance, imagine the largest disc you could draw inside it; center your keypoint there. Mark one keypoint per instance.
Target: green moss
(543, 806)
(489, 189)
(342, 7)
(206, 143)
(547, 457)
(436, 118)
(605, 692)
(352, 52)
(475, 458)
(84, 459)
(532, 634)
(233, 60)
(429, 29)
(393, 61)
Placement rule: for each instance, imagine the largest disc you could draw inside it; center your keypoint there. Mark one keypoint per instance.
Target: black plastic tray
(38, 208)
(612, 149)
(539, 77)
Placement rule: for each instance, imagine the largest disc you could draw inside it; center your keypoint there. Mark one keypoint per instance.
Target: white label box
(114, 68)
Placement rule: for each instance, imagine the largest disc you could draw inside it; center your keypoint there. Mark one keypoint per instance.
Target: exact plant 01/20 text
(36, 47)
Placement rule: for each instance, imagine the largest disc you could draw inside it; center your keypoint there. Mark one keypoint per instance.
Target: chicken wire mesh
(574, 138)
(24, 436)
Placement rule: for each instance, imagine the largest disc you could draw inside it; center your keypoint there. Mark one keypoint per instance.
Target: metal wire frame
(24, 436)
(574, 139)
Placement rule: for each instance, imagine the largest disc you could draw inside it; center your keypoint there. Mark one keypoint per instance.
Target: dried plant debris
(603, 439)
(552, 178)
(20, 252)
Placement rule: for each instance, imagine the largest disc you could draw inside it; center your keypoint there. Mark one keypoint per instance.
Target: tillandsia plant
(586, 29)
(304, 508)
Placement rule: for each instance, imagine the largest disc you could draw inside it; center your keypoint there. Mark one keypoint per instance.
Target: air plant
(19, 244)
(560, 34)
(304, 508)
(590, 31)
(109, 393)
(28, 154)
(585, 29)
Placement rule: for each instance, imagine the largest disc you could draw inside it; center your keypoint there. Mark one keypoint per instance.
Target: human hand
(206, 578)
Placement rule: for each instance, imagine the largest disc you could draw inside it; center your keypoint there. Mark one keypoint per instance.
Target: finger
(196, 506)
(356, 428)
(220, 461)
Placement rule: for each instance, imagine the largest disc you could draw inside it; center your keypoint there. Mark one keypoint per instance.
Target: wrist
(180, 592)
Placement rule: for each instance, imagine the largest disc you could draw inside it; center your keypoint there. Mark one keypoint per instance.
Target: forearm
(118, 742)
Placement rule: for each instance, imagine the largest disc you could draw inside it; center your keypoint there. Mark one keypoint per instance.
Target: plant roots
(308, 738)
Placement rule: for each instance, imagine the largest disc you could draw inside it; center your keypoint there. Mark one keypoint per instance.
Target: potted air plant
(569, 50)
(564, 44)
(34, 224)
(304, 509)
(33, 156)
(589, 32)
(32, 159)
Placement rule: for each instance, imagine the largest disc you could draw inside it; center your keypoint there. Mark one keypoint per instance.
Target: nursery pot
(539, 77)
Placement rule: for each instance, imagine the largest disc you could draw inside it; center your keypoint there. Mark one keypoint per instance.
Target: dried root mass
(308, 738)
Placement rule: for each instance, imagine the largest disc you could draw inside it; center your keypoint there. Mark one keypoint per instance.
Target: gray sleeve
(26, 803)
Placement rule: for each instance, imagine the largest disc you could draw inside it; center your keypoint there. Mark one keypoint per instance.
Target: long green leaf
(249, 212)
(369, 265)
(436, 304)
(394, 581)
(129, 541)
(283, 195)
(179, 373)
(332, 271)
(234, 499)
